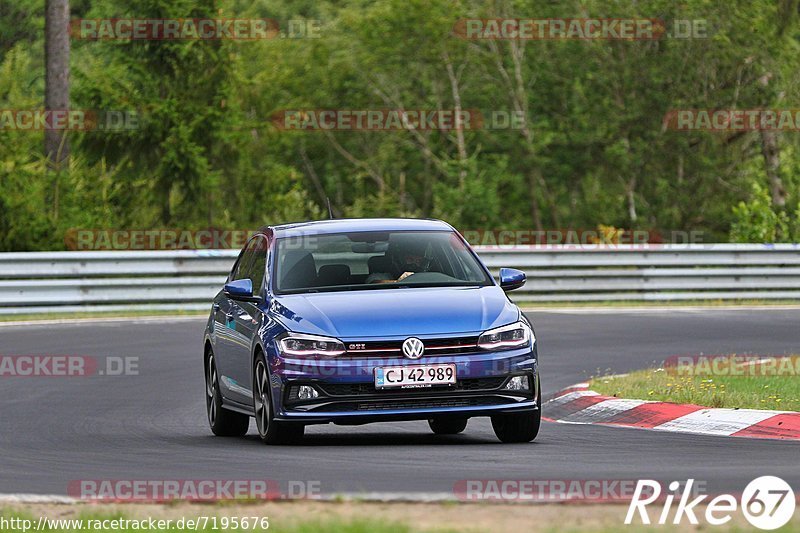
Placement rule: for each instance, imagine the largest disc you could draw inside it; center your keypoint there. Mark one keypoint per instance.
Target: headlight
(503, 338)
(301, 345)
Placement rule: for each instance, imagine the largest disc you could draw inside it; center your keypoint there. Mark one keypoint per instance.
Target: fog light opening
(518, 383)
(307, 392)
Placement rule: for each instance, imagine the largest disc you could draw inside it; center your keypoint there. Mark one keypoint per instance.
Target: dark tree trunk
(772, 163)
(56, 48)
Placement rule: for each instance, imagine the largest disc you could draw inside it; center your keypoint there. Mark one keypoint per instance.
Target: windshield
(375, 260)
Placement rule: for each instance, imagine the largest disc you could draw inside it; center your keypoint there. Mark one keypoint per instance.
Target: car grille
(358, 389)
(433, 347)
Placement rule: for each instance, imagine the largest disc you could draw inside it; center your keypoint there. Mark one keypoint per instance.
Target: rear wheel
(447, 426)
(223, 423)
(270, 430)
(522, 427)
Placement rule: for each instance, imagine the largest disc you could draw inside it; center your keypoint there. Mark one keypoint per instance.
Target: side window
(258, 264)
(242, 266)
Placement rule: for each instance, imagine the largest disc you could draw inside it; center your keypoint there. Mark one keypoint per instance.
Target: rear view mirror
(241, 289)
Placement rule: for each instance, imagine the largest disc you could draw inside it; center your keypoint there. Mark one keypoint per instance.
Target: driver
(406, 258)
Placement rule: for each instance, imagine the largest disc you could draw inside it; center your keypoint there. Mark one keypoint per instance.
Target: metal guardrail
(147, 280)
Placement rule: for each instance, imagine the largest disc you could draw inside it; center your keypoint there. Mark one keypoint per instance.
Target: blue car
(368, 320)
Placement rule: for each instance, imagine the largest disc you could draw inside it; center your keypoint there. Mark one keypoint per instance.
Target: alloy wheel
(261, 397)
(211, 391)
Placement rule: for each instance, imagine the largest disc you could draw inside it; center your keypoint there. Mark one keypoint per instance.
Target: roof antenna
(330, 209)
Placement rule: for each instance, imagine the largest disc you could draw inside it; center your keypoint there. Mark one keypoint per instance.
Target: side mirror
(241, 289)
(511, 278)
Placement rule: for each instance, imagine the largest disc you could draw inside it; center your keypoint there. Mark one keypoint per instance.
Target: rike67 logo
(768, 502)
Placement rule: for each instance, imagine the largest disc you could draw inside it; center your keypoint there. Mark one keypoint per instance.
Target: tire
(522, 427)
(270, 430)
(223, 423)
(447, 426)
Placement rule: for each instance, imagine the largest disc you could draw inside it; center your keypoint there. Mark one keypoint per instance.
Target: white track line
(36, 498)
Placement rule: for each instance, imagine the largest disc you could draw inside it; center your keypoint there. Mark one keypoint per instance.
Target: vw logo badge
(413, 348)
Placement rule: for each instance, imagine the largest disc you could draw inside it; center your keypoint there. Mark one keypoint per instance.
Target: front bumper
(346, 392)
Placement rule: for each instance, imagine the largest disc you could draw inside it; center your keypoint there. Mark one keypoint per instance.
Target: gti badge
(413, 348)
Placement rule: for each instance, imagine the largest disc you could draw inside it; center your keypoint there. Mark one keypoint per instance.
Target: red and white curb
(579, 405)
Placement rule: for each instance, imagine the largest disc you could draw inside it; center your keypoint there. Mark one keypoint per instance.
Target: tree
(56, 45)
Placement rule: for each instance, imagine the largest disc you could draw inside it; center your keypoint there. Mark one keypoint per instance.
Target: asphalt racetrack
(153, 425)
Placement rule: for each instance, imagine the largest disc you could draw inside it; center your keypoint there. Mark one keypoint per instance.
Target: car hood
(396, 312)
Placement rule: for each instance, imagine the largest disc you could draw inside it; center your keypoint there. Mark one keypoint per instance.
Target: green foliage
(21, 21)
(592, 149)
(757, 221)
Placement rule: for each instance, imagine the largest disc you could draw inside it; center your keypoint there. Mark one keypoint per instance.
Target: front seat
(333, 275)
(379, 264)
(299, 270)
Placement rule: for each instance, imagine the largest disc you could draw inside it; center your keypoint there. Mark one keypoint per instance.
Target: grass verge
(730, 381)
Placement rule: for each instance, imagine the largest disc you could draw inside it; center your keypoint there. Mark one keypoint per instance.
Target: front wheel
(270, 430)
(522, 427)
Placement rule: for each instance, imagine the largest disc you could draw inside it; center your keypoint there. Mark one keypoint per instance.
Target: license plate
(415, 376)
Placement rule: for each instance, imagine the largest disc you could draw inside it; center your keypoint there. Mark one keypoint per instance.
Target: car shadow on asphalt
(386, 439)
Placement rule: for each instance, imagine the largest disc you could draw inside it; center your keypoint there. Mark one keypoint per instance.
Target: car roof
(344, 225)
